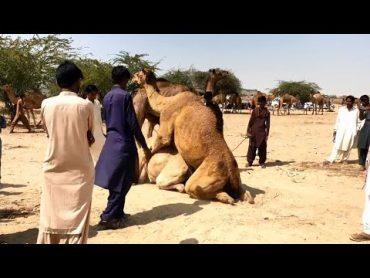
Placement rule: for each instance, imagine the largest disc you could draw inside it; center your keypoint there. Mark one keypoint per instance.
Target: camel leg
(28, 115)
(165, 135)
(150, 130)
(153, 121)
(33, 117)
(202, 185)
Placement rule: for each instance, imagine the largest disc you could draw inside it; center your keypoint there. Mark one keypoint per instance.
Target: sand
(297, 200)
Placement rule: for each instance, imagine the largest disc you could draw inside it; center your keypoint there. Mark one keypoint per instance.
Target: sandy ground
(297, 200)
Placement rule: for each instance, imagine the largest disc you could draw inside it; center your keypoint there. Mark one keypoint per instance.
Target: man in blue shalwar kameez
(117, 166)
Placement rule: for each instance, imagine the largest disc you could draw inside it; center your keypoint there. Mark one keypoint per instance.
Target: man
(91, 92)
(19, 115)
(258, 131)
(117, 166)
(68, 165)
(345, 131)
(364, 136)
(365, 234)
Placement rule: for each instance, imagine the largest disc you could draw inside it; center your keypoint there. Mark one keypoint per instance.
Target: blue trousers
(116, 201)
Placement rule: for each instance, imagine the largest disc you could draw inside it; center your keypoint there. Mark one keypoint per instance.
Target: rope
(239, 144)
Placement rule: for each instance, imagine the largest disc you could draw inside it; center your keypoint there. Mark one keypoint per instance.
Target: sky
(339, 64)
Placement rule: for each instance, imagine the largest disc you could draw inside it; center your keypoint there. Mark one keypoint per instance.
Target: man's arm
(267, 124)
(90, 124)
(251, 120)
(43, 119)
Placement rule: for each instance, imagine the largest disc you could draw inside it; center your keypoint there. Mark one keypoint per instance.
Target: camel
(32, 101)
(143, 110)
(287, 99)
(167, 168)
(220, 98)
(254, 102)
(235, 102)
(142, 107)
(191, 126)
(319, 99)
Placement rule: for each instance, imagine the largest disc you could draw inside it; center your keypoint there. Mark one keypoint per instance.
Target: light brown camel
(142, 108)
(192, 127)
(32, 100)
(167, 168)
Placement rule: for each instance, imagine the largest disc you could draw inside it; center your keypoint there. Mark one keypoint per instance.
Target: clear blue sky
(339, 64)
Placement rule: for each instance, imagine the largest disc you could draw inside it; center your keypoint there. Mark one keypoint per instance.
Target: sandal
(360, 237)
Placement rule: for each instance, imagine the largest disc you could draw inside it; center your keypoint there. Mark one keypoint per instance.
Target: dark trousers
(362, 153)
(252, 149)
(116, 203)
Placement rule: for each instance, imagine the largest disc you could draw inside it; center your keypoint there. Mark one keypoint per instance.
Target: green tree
(97, 73)
(178, 76)
(29, 64)
(228, 85)
(134, 63)
(302, 89)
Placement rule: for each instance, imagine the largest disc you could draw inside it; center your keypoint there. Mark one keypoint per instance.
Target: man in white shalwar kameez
(91, 92)
(68, 166)
(365, 234)
(346, 128)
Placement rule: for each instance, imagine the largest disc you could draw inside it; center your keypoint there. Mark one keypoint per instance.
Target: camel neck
(210, 87)
(156, 101)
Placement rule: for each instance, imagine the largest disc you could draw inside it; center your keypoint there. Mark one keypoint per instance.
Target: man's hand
(90, 138)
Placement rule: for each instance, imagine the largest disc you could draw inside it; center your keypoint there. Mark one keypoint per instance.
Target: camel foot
(225, 198)
(180, 188)
(246, 196)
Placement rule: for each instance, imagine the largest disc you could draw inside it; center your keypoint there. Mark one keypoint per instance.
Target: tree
(229, 85)
(134, 63)
(97, 73)
(178, 76)
(29, 64)
(196, 79)
(301, 89)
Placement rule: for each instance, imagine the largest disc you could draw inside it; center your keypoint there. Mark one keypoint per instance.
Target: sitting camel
(166, 168)
(191, 126)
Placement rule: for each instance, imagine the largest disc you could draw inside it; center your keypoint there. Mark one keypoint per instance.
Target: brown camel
(167, 168)
(254, 102)
(32, 99)
(288, 100)
(220, 98)
(191, 125)
(319, 100)
(235, 102)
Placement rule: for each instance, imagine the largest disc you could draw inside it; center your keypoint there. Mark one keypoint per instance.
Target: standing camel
(166, 167)
(32, 101)
(216, 174)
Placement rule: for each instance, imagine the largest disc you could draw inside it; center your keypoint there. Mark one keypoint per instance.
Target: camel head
(217, 74)
(145, 76)
(7, 87)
